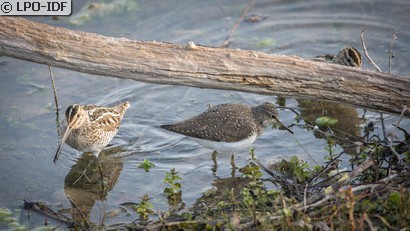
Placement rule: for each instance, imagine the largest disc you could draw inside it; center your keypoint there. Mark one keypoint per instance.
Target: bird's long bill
(284, 126)
(60, 146)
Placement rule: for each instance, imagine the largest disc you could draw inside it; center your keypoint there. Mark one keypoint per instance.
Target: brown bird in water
(347, 56)
(90, 128)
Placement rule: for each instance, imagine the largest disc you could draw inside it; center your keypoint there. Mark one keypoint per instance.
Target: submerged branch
(200, 66)
(42, 208)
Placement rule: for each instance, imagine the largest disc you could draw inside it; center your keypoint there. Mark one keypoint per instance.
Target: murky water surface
(303, 28)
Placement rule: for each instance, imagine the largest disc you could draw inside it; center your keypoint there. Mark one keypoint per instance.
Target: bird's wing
(217, 124)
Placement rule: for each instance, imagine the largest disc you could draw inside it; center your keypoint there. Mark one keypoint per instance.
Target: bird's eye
(272, 116)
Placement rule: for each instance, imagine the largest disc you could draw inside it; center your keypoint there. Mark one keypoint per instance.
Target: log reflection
(346, 128)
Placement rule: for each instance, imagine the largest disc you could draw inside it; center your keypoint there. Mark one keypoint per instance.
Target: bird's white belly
(226, 147)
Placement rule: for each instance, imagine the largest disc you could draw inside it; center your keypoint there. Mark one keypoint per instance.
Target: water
(303, 28)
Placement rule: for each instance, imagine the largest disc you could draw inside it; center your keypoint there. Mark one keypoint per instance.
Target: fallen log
(200, 66)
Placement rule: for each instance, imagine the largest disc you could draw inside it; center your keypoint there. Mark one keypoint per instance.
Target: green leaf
(325, 121)
(146, 165)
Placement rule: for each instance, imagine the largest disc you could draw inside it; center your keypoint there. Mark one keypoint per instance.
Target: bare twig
(366, 54)
(369, 222)
(55, 100)
(304, 197)
(284, 206)
(327, 134)
(405, 108)
(288, 108)
(237, 23)
(383, 127)
(363, 166)
(316, 203)
(54, 88)
(303, 148)
(48, 212)
(383, 220)
(326, 168)
(350, 206)
(391, 53)
(390, 144)
(276, 178)
(79, 211)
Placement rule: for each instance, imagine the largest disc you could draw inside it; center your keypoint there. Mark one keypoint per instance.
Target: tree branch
(200, 66)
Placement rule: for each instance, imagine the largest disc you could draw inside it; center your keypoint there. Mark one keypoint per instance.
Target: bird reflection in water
(90, 180)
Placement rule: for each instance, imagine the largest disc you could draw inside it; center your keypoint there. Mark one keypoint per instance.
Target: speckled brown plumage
(227, 122)
(347, 56)
(90, 128)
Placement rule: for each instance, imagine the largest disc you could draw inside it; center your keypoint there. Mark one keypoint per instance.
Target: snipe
(347, 56)
(90, 128)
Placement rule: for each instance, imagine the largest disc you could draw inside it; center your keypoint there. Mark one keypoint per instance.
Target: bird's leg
(96, 154)
(233, 165)
(215, 167)
(84, 173)
(233, 161)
